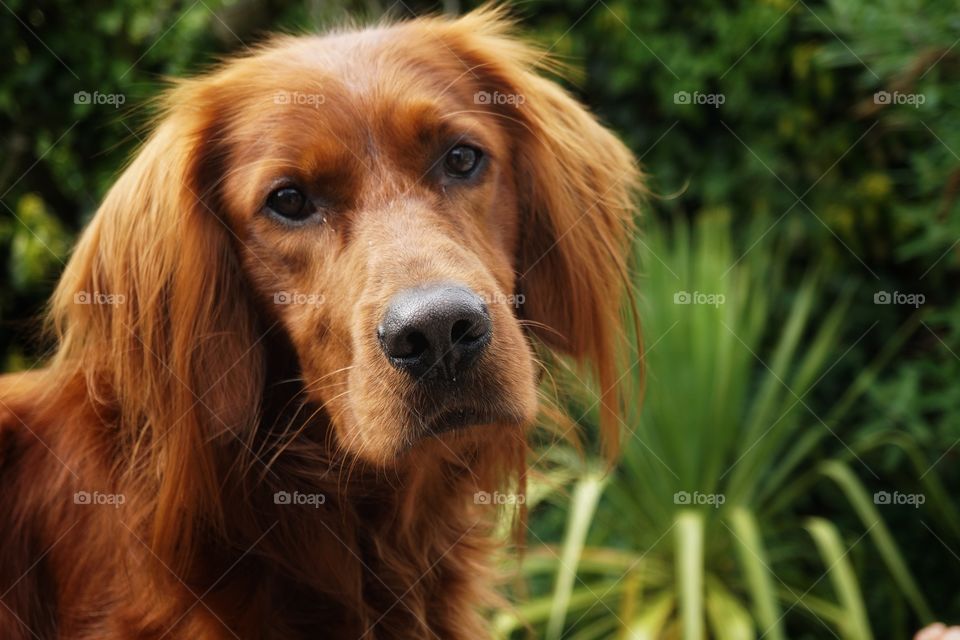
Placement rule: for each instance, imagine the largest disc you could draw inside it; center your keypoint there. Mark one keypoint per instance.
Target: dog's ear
(577, 185)
(152, 310)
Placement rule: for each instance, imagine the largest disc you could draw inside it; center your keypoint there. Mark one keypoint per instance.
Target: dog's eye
(462, 161)
(290, 203)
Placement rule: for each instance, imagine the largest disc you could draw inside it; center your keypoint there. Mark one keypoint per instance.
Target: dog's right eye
(462, 161)
(290, 203)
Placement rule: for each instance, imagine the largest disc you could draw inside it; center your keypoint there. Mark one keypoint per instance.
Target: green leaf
(877, 528)
(845, 584)
(689, 540)
(537, 610)
(585, 497)
(729, 619)
(650, 623)
(759, 575)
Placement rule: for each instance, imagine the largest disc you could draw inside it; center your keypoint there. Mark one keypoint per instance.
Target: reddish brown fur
(183, 398)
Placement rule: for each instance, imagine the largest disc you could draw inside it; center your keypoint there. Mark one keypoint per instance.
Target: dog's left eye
(289, 203)
(462, 161)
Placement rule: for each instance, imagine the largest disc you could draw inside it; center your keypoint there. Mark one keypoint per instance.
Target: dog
(300, 344)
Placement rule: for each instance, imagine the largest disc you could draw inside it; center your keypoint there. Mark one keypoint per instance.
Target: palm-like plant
(697, 533)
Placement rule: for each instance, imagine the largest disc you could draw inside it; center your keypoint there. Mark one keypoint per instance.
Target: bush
(708, 521)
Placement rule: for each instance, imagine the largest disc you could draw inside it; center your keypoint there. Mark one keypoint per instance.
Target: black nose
(435, 331)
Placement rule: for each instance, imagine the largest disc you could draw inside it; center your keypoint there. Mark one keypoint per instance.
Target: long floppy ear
(577, 183)
(151, 309)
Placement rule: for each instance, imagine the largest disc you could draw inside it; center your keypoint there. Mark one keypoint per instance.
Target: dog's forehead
(345, 104)
(372, 82)
(400, 62)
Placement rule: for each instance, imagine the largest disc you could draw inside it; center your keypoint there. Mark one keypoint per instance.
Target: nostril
(465, 331)
(413, 345)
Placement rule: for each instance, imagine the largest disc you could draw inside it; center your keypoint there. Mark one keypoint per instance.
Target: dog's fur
(181, 388)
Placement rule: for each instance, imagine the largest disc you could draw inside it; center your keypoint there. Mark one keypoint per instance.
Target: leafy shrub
(706, 522)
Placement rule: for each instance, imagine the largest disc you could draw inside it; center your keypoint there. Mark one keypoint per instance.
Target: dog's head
(409, 203)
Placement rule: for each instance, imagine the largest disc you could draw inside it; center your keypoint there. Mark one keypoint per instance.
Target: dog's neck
(370, 547)
(340, 543)
(373, 552)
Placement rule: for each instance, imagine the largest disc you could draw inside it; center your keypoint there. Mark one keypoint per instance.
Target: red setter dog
(299, 337)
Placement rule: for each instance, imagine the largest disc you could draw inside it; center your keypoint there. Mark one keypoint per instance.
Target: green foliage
(37, 243)
(877, 185)
(707, 506)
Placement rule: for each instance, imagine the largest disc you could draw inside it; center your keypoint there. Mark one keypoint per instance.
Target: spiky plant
(698, 532)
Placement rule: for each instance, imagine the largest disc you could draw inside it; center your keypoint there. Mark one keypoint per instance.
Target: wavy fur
(197, 400)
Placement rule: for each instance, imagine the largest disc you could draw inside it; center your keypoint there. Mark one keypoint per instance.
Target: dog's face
(377, 211)
(409, 203)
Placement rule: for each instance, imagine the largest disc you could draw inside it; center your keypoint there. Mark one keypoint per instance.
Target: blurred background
(793, 471)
